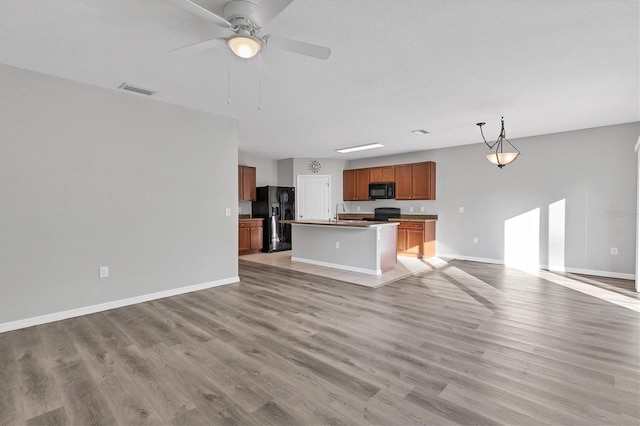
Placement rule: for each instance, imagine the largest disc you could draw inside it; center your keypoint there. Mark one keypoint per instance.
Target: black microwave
(382, 191)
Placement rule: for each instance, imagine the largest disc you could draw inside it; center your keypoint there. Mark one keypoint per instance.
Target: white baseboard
(86, 310)
(471, 258)
(337, 266)
(595, 273)
(566, 269)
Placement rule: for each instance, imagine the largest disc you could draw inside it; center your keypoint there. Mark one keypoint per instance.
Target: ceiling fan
(245, 20)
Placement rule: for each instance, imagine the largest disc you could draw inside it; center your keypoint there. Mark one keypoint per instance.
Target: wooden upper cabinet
(349, 185)
(403, 182)
(362, 185)
(382, 174)
(416, 181)
(246, 183)
(355, 185)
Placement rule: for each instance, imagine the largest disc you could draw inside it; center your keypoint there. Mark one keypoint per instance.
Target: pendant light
(500, 157)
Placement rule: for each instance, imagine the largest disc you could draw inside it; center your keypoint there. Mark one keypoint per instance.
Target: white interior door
(313, 195)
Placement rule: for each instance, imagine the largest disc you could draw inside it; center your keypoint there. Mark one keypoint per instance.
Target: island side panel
(316, 244)
(388, 244)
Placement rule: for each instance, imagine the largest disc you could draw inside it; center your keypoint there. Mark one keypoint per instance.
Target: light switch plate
(461, 210)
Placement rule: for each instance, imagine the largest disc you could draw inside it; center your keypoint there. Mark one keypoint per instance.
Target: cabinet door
(244, 240)
(249, 183)
(362, 184)
(402, 239)
(349, 185)
(422, 181)
(256, 238)
(415, 241)
(403, 182)
(381, 174)
(419, 181)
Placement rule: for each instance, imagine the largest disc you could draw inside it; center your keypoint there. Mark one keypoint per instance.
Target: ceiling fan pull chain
(259, 81)
(228, 79)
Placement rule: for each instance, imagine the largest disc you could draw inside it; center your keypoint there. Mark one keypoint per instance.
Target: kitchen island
(352, 245)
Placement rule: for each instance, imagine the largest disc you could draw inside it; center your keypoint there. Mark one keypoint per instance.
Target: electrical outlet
(103, 271)
(422, 209)
(614, 251)
(337, 244)
(460, 209)
(358, 208)
(411, 209)
(239, 209)
(475, 240)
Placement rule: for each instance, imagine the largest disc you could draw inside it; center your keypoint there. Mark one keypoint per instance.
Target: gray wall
(637, 212)
(285, 172)
(592, 170)
(92, 177)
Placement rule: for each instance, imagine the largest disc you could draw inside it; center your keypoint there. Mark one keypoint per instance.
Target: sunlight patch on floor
(591, 290)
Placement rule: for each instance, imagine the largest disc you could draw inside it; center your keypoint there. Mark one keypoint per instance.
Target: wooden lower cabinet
(417, 238)
(249, 236)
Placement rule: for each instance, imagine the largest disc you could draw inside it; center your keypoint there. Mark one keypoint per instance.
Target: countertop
(242, 219)
(403, 217)
(340, 223)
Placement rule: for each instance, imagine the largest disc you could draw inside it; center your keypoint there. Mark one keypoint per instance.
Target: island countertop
(411, 217)
(340, 223)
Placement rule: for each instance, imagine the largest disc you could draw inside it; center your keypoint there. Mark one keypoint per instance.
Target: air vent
(132, 88)
(419, 132)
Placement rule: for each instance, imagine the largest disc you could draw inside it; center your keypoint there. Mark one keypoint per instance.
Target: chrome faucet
(344, 209)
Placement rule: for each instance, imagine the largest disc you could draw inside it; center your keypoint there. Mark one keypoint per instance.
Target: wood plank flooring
(467, 343)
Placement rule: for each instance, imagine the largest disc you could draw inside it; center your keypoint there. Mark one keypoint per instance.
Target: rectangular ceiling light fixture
(359, 148)
(132, 88)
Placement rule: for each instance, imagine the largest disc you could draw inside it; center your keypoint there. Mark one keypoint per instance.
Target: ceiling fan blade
(266, 10)
(202, 12)
(296, 46)
(198, 47)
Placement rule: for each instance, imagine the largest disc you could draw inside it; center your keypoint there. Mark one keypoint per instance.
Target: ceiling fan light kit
(500, 157)
(244, 46)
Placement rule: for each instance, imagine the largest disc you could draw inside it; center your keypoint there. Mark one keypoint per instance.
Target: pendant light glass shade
(499, 157)
(244, 46)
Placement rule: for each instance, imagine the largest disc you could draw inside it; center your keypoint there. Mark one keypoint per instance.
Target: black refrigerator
(273, 204)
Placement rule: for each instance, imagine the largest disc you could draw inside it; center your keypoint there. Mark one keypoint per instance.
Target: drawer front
(250, 224)
(411, 225)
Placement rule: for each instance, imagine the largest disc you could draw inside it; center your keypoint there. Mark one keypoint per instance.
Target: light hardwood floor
(467, 343)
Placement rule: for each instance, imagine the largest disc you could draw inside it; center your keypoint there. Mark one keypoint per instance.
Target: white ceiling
(396, 66)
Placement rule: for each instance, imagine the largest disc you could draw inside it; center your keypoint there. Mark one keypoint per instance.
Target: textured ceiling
(396, 65)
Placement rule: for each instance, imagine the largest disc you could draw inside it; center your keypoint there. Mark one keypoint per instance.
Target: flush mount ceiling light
(500, 157)
(359, 148)
(244, 46)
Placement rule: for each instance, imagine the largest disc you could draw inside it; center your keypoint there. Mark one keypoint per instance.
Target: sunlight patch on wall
(556, 235)
(522, 240)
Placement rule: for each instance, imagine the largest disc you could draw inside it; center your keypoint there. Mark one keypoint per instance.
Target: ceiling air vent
(419, 132)
(137, 89)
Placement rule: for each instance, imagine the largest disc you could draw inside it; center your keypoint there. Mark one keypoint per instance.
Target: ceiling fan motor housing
(237, 12)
